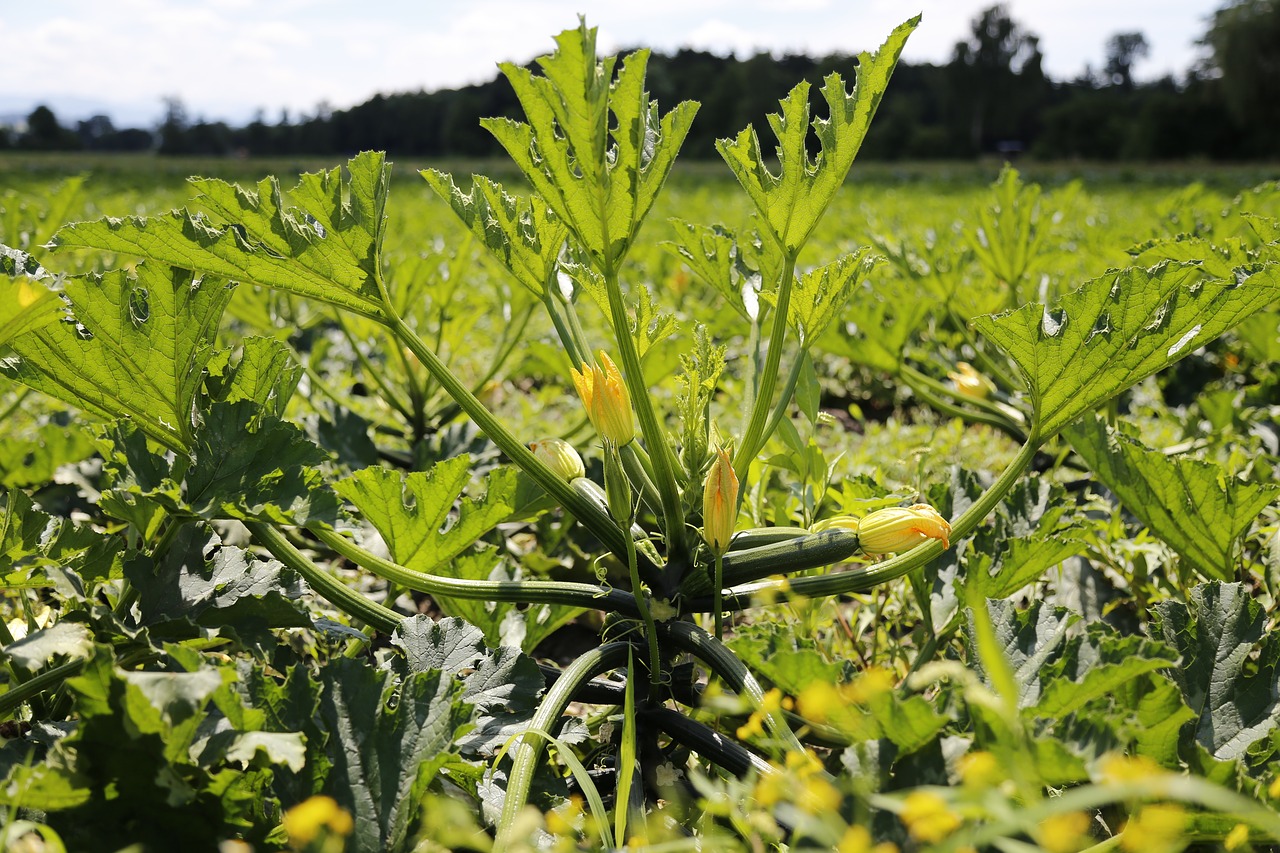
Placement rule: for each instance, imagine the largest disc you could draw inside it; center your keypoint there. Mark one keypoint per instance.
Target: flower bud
(560, 457)
(617, 488)
(604, 395)
(970, 383)
(894, 529)
(720, 502)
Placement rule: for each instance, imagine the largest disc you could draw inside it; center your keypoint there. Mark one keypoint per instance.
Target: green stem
(916, 378)
(11, 700)
(690, 638)
(513, 335)
(590, 515)
(718, 594)
(655, 437)
(999, 422)
(639, 476)
(650, 629)
(529, 749)
(525, 592)
(754, 437)
(788, 389)
(388, 393)
(330, 588)
(741, 597)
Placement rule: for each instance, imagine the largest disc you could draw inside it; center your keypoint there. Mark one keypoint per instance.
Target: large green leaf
(792, 202)
(137, 350)
(387, 739)
(1119, 329)
(411, 511)
(820, 295)
(25, 304)
(594, 148)
(216, 585)
(266, 373)
(328, 247)
(521, 233)
(1197, 507)
(1228, 673)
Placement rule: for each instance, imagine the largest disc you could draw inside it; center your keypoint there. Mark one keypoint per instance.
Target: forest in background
(992, 97)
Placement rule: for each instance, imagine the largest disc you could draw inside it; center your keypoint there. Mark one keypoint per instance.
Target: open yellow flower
(720, 502)
(970, 382)
(604, 395)
(894, 529)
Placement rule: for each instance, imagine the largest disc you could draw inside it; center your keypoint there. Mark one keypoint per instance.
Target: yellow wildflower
(970, 383)
(927, 817)
(304, 821)
(1154, 829)
(1064, 833)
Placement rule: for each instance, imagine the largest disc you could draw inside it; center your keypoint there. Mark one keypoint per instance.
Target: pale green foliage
(791, 203)
(1197, 507)
(1007, 234)
(879, 319)
(1119, 329)
(594, 148)
(521, 233)
(137, 350)
(411, 513)
(701, 367)
(819, 296)
(266, 373)
(328, 248)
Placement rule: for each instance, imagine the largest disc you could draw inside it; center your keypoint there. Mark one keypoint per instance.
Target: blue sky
(227, 58)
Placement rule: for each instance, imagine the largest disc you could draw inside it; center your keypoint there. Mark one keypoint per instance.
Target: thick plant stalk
(743, 596)
(690, 638)
(330, 588)
(655, 436)
(754, 436)
(557, 699)
(525, 592)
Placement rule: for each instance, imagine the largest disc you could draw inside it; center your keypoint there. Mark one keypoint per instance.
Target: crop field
(606, 501)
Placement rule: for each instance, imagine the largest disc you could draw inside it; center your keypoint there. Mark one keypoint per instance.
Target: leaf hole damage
(1053, 322)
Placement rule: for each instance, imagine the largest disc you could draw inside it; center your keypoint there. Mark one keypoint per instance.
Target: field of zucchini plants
(627, 505)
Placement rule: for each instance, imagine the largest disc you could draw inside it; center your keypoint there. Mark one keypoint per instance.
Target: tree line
(992, 97)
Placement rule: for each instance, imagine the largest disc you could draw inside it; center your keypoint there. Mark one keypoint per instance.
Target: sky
(227, 59)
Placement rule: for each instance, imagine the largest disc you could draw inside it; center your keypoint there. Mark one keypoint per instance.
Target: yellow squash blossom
(720, 502)
(894, 529)
(604, 395)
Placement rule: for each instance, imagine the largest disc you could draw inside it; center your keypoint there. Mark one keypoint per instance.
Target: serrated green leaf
(387, 739)
(216, 585)
(820, 295)
(712, 252)
(792, 202)
(33, 456)
(600, 174)
(266, 373)
(1119, 329)
(328, 248)
(521, 233)
(1228, 674)
(411, 511)
(1197, 507)
(24, 305)
(1095, 665)
(1007, 234)
(1027, 640)
(137, 350)
(248, 464)
(285, 748)
(71, 640)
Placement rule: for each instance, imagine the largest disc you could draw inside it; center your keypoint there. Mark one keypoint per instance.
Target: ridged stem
(754, 436)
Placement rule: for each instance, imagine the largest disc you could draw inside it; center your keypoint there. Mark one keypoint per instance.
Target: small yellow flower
(1064, 833)
(1119, 769)
(604, 395)
(927, 817)
(1154, 829)
(720, 502)
(817, 700)
(1237, 837)
(980, 770)
(894, 529)
(304, 821)
(970, 383)
(1273, 790)
(560, 457)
